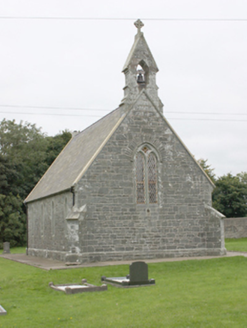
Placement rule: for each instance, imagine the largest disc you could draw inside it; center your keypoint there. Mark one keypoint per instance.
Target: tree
(207, 168)
(22, 150)
(55, 145)
(242, 177)
(230, 196)
(25, 155)
(12, 220)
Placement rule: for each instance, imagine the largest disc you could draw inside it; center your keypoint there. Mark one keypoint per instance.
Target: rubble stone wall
(235, 227)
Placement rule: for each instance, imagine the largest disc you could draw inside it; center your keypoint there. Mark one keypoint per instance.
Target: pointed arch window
(146, 176)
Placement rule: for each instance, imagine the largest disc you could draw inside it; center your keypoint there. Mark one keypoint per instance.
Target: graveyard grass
(237, 245)
(193, 293)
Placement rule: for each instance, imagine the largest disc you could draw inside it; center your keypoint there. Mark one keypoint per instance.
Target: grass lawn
(194, 293)
(15, 250)
(238, 245)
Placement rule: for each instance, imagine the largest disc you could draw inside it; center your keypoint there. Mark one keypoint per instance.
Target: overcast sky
(66, 73)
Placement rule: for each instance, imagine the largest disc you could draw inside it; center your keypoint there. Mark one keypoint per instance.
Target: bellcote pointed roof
(140, 51)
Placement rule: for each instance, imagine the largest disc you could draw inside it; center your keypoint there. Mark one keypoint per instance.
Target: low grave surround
(2, 311)
(137, 277)
(78, 288)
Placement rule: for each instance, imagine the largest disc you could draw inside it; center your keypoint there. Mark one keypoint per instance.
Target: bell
(140, 78)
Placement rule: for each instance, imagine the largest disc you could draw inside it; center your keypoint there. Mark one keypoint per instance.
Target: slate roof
(76, 157)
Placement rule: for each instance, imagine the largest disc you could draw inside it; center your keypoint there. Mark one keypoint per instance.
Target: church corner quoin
(126, 187)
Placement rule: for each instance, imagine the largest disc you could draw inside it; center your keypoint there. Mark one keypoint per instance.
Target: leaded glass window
(152, 178)
(140, 178)
(146, 176)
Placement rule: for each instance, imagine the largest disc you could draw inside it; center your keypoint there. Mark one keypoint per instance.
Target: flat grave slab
(78, 288)
(2, 311)
(137, 277)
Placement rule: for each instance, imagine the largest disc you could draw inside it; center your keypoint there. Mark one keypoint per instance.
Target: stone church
(126, 187)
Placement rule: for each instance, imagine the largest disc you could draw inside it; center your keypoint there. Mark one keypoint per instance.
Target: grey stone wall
(116, 228)
(107, 224)
(235, 227)
(47, 226)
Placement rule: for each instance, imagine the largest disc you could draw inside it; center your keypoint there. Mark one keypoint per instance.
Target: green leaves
(230, 196)
(12, 220)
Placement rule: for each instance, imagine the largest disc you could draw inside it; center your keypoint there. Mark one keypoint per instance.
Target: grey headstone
(138, 272)
(6, 248)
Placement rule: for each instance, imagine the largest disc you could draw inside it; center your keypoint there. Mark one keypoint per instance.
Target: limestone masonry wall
(102, 220)
(235, 227)
(47, 226)
(115, 227)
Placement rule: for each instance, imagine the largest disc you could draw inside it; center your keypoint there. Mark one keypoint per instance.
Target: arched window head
(142, 73)
(146, 175)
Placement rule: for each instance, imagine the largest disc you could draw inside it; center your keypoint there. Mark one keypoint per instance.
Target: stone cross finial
(139, 24)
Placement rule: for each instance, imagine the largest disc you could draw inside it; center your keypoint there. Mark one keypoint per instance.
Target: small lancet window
(146, 176)
(152, 178)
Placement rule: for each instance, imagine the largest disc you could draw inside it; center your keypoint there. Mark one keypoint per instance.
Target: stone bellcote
(140, 71)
